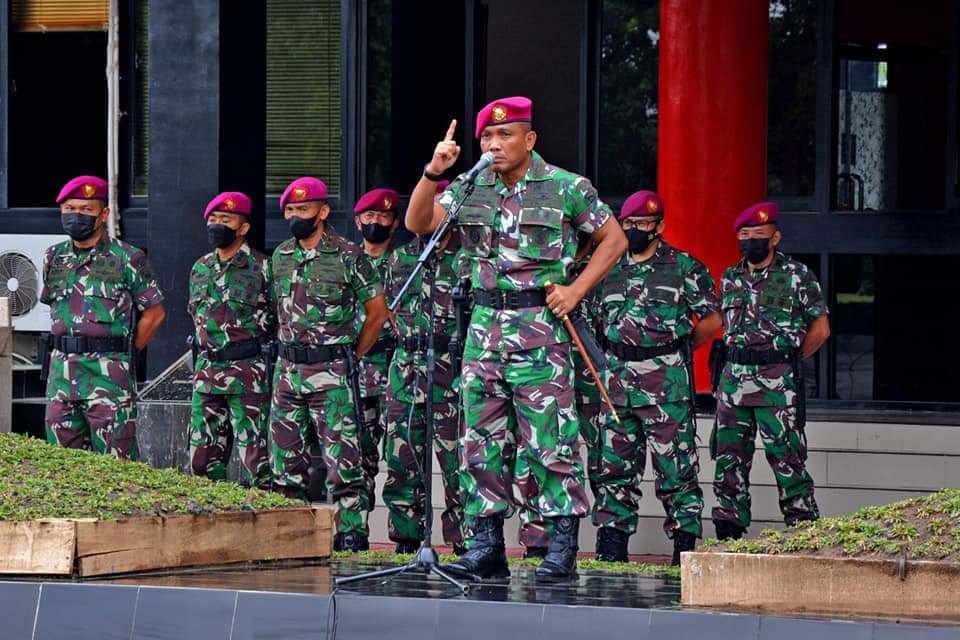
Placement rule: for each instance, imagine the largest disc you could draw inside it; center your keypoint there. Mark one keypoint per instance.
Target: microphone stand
(426, 560)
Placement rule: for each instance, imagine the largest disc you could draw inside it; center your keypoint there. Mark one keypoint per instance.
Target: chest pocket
(103, 290)
(284, 265)
(541, 223)
(244, 286)
(325, 280)
(776, 301)
(734, 307)
(57, 279)
(476, 228)
(199, 281)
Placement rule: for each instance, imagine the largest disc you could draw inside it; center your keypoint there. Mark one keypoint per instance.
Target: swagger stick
(586, 358)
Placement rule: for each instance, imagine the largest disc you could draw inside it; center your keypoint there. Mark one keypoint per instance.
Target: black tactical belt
(382, 345)
(499, 299)
(755, 357)
(632, 353)
(441, 344)
(311, 355)
(235, 351)
(84, 344)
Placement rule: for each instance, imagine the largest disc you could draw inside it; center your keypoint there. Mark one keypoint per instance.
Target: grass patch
(630, 568)
(41, 481)
(925, 528)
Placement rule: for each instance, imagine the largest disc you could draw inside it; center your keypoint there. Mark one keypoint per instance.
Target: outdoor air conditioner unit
(21, 279)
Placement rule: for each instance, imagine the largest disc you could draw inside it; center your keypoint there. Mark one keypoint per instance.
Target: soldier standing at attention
(319, 279)
(231, 303)
(377, 219)
(519, 234)
(94, 284)
(657, 306)
(774, 315)
(406, 395)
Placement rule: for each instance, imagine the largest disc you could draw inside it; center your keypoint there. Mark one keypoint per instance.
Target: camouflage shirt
(231, 302)
(519, 239)
(771, 308)
(651, 304)
(413, 320)
(319, 290)
(373, 368)
(92, 292)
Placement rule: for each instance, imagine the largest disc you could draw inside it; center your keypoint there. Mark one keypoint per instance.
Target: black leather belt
(499, 299)
(84, 344)
(441, 344)
(756, 357)
(235, 351)
(382, 345)
(311, 355)
(632, 353)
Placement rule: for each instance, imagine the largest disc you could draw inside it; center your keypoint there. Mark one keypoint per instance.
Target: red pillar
(712, 136)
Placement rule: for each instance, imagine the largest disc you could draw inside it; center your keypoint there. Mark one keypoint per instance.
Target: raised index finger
(450, 130)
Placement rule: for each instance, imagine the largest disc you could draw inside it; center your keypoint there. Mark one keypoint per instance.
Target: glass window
(628, 96)
(891, 105)
(303, 92)
(402, 127)
(889, 314)
(792, 102)
(57, 100)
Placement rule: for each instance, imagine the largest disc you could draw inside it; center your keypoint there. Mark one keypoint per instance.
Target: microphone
(485, 161)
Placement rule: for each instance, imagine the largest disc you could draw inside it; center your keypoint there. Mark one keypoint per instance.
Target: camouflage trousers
(670, 431)
(520, 425)
(732, 445)
(534, 530)
(217, 422)
(403, 491)
(371, 440)
(327, 415)
(106, 425)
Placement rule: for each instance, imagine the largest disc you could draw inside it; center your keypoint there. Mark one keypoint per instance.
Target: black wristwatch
(433, 177)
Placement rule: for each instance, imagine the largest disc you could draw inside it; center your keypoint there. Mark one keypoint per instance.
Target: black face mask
(220, 235)
(639, 240)
(755, 250)
(79, 226)
(375, 233)
(302, 227)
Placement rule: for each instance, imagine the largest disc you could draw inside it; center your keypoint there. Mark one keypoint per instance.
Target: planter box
(802, 584)
(90, 547)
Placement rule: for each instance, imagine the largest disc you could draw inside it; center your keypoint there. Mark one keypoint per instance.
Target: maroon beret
(504, 110)
(378, 200)
(304, 189)
(756, 215)
(84, 188)
(641, 203)
(229, 202)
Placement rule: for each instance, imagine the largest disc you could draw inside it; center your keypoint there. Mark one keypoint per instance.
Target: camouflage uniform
(230, 303)
(373, 385)
(406, 395)
(317, 292)
(517, 372)
(92, 293)
(763, 310)
(651, 305)
(534, 530)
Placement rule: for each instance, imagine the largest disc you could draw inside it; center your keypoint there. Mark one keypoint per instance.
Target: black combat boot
(561, 561)
(487, 558)
(534, 552)
(612, 545)
(350, 541)
(407, 546)
(803, 517)
(682, 541)
(727, 530)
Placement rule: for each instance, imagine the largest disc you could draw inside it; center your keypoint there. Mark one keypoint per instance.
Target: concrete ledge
(90, 547)
(802, 584)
